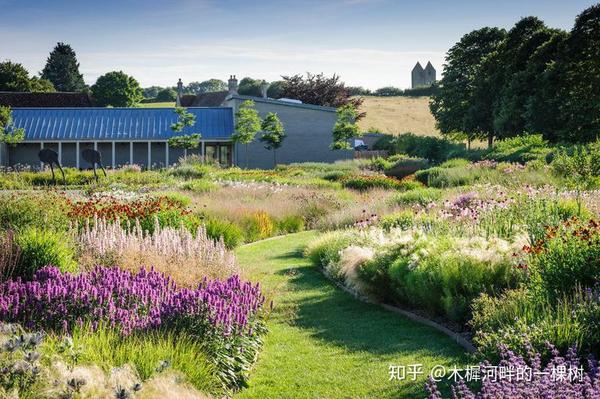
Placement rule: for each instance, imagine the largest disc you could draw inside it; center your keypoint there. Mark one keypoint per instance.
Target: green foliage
(326, 249)
(275, 89)
(434, 149)
(247, 123)
(250, 87)
(207, 86)
(188, 170)
(519, 319)
(398, 220)
(566, 258)
(258, 226)
(34, 209)
(406, 166)
(451, 105)
(8, 133)
(388, 91)
(146, 352)
(39, 248)
(368, 182)
(14, 77)
(62, 69)
(166, 95)
(184, 119)
(199, 186)
(419, 196)
(345, 128)
(290, 224)
(580, 166)
(520, 149)
(187, 141)
(231, 234)
(273, 133)
(319, 89)
(116, 89)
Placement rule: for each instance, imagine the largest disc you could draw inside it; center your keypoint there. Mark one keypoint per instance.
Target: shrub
(258, 226)
(520, 149)
(402, 220)
(518, 319)
(290, 224)
(455, 163)
(538, 381)
(41, 248)
(326, 249)
(420, 196)
(431, 148)
(44, 210)
(229, 232)
(566, 257)
(363, 183)
(225, 315)
(189, 170)
(406, 166)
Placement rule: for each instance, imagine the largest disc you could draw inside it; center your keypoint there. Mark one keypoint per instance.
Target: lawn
(323, 343)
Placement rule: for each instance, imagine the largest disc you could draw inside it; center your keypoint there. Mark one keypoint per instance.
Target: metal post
(60, 152)
(41, 148)
(95, 146)
(166, 154)
(203, 152)
(113, 155)
(131, 153)
(149, 166)
(77, 154)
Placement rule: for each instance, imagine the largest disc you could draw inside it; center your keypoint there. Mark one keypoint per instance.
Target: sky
(369, 43)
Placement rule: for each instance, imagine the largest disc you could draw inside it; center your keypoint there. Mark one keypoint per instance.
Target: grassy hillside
(398, 115)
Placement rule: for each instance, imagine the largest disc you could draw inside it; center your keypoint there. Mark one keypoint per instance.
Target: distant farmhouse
(66, 123)
(423, 77)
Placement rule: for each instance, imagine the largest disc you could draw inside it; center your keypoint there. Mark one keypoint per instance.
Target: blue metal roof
(98, 124)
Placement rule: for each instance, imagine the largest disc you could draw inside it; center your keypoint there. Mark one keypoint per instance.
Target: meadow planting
(130, 287)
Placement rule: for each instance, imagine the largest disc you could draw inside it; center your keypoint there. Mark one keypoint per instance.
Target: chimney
(233, 85)
(179, 92)
(264, 86)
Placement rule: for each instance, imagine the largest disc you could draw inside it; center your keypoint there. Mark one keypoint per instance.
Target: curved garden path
(324, 343)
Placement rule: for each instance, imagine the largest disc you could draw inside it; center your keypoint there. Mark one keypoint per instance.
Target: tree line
(530, 79)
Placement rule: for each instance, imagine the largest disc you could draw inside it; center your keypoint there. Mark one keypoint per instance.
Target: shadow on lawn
(338, 318)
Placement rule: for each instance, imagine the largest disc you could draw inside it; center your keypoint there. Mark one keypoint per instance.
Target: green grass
(323, 343)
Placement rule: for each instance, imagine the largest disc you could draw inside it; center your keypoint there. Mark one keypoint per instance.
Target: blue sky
(372, 43)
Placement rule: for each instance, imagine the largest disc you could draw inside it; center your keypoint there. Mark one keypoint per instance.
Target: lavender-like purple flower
(561, 378)
(127, 301)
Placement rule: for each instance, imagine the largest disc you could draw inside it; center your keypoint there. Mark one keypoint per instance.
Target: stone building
(140, 135)
(423, 77)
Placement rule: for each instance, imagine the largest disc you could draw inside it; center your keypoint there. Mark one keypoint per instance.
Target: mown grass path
(323, 343)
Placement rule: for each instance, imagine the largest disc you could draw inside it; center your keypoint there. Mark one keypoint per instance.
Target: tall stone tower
(423, 77)
(429, 74)
(418, 76)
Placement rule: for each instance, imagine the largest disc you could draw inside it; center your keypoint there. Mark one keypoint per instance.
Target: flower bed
(225, 315)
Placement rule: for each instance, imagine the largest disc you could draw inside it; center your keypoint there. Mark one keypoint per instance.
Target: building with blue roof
(140, 135)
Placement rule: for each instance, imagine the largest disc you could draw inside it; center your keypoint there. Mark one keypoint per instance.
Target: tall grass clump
(186, 257)
(38, 209)
(39, 248)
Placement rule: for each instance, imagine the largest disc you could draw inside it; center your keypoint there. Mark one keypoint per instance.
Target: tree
(345, 128)
(275, 89)
(250, 87)
(9, 134)
(358, 91)
(388, 91)
(151, 92)
(116, 89)
(247, 124)
(166, 95)
(14, 77)
(207, 86)
(273, 134)
(319, 90)
(581, 89)
(187, 141)
(62, 69)
(451, 103)
(514, 84)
